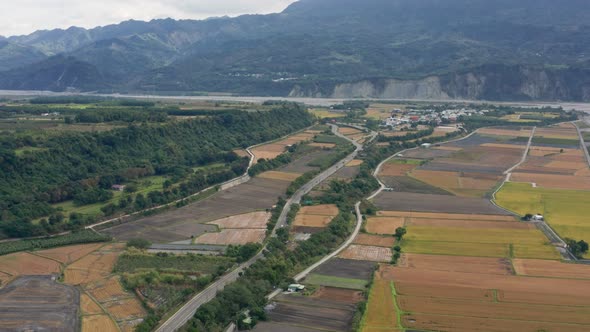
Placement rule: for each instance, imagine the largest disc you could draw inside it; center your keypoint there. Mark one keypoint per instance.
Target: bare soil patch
(247, 220)
(347, 268)
(374, 240)
(456, 264)
(282, 176)
(553, 269)
(179, 224)
(38, 303)
(354, 162)
(323, 145)
(458, 216)
(384, 225)
(69, 254)
(94, 267)
(233, 236)
(391, 169)
(324, 210)
(435, 203)
(23, 263)
(88, 306)
(98, 323)
(367, 253)
(553, 181)
(349, 296)
(432, 222)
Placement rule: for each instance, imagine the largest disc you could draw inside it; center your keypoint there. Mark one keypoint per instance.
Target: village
(400, 119)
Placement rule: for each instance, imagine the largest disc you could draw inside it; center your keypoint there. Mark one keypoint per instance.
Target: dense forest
(37, 171)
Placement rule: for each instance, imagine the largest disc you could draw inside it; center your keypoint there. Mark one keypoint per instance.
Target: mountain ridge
(315, 46)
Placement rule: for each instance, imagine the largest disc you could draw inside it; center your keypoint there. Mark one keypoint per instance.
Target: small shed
(293, 288)
(118, 187)
(538, 217)
(426, 146)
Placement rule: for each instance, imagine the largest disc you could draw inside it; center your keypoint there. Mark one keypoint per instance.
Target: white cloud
(26, 16)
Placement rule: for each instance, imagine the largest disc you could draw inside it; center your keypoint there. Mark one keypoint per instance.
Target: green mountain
(475, 49)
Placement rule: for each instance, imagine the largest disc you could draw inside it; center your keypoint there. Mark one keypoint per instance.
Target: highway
(187, 311)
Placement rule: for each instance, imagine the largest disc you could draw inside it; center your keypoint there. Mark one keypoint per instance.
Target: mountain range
(443, 49)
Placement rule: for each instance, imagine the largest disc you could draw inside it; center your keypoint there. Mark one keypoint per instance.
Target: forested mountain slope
(475, 49)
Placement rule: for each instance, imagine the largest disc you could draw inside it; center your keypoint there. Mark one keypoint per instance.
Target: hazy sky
(25, 16)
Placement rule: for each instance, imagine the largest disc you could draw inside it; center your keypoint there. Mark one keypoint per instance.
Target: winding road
(187, 311)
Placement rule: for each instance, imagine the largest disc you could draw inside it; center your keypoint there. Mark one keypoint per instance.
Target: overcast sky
(25, 16)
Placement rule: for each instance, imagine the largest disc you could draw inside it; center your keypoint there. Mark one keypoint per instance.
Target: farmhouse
(118, 187)
(293, 288)
(426, 146)
(538, 217)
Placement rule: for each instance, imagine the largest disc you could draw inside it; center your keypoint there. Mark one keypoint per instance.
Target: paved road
(184, 314)
(582, 143)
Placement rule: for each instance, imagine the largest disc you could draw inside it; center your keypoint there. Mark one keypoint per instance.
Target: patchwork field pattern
(23, 263)
(449, 297)
(67, 255)
(273, 150)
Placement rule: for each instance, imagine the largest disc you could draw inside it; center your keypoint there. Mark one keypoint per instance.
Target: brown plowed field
(402, 201)
(125, 309)
(23, 263)
(38, 303)
(69, 254)
(503, 146)
(367, 253)
(94, 267)
(559, 133)
(323, 210)
(541, 151)
(456, 264)
(98, 323)
(282, 176)
(550, 291)
(374, 240)
(179, 224)
(306, 220)
(448, 148)
(442, 323)
(107, 290)
(88, 306)
(392, 169)
(232, 236)
(459, 216)
(384, 225)
(271, 151)
(323, 145)
(447, 292)
(343, 295)
(248, 220)
(516, 311)
(347, 268)
(321, 315)
(354, 163)
(553, 181)
(553, 269)
(505, 132)
(348, 131)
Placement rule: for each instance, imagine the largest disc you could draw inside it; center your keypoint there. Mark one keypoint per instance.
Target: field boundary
(222, 186)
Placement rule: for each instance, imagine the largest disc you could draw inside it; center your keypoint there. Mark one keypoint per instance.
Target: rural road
(583, 143)
(187, 311)
(524, 155)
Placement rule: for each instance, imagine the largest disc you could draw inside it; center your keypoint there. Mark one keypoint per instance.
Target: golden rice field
(565, 210)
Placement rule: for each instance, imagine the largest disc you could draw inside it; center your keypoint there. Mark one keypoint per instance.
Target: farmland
(195, 220)
(432, 299)
(328, 309)
(564, 210)
(39, 304)
(367, 253)
(468, 265)
(318, 216)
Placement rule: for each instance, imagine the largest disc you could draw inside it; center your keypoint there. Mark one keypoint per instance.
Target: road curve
(187, 311)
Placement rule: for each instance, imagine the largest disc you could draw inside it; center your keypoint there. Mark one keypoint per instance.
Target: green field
(565, 210)
(323, 280)
(488, 242)
(144, 186)
(132, 262)
(324, 113)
